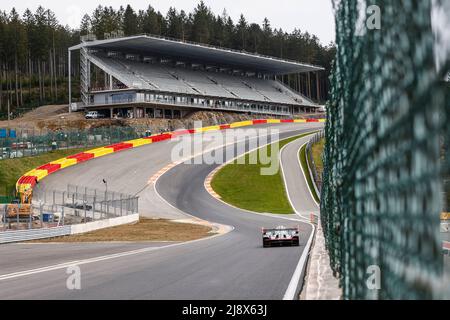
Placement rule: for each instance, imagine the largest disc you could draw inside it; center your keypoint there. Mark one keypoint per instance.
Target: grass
(144, 230)
(317, 151)
(243, 186)
(302, 155)
(12, 169)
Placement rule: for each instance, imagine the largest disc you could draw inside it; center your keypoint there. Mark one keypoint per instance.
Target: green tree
(150, 22)
(201, 24)
(85, 26)
(130, 22)
(242, 33)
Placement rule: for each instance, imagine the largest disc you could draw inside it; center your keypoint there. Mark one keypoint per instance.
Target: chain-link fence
(17, 143)
(74, 206)
(382, 182)
(7, 193)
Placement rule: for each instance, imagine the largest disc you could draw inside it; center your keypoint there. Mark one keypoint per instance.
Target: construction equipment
(21, 208)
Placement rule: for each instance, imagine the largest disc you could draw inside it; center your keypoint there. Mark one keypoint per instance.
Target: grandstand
(149, 76)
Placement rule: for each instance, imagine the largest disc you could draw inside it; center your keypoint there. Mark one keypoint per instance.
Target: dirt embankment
(57, 118)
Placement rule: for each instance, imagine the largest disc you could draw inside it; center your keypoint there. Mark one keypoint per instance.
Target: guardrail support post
(93, 209)
(121, 213)
(112, 201)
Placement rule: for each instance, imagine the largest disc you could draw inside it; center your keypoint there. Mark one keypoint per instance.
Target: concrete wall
(102, 224)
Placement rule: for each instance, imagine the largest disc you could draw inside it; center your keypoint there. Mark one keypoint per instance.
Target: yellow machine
(22, 209)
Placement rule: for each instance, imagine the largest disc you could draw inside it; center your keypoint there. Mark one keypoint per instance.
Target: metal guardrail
(33, 234)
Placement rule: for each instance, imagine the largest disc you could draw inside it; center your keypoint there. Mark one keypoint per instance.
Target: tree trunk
(50, 66)
(21, 90)
(16, 76)
(1, 86)
(30, 72)
(40, 81)
(54, 68)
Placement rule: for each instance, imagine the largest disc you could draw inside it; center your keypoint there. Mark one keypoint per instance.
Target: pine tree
(242, 33)
(85, 26)
(150, 21)
(202, 17)
(130, 22)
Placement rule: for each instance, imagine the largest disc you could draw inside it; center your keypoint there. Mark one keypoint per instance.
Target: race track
(231, 266)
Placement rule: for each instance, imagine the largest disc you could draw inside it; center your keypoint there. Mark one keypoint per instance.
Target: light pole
(106, 186)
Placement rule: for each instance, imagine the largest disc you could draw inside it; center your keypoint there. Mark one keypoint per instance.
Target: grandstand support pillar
(110, 82)
(70, 79)
(111, 112)
(309, 85)
(318, 86)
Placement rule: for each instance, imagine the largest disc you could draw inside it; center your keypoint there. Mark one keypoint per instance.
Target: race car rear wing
(265, 230)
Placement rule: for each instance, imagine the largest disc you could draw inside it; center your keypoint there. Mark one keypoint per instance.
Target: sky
(314, 16)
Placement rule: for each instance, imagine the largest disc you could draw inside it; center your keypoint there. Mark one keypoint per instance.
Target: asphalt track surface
(231, 266)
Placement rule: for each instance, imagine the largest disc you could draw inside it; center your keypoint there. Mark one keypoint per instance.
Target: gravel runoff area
(144, 230)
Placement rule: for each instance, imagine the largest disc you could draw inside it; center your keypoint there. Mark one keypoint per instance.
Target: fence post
(121, 213)
(112, 202)
(41, 214)
(4, 217)
(93, 209)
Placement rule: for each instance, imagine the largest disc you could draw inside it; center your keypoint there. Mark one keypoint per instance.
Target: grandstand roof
(158, 46)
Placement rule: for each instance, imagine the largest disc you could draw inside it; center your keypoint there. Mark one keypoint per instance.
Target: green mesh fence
(382, 183)
(31, 142)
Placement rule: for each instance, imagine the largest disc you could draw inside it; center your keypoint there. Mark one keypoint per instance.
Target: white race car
(281, 236)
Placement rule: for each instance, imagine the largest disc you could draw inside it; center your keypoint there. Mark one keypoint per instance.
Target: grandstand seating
(158, 77)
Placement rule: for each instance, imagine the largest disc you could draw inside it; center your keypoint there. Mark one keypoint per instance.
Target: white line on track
(111, 256)
(97, 259)
(291, 291)
(295, 279)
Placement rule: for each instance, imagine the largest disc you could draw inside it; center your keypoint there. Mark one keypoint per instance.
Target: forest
(33, 46)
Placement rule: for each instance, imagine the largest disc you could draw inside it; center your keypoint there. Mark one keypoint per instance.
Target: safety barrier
(44, 233)
(32, 177)
(33, 234)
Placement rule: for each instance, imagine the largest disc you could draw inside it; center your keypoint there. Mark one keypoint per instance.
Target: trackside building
(149, 76)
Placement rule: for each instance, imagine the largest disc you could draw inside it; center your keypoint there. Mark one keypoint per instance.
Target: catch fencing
(386, 154)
